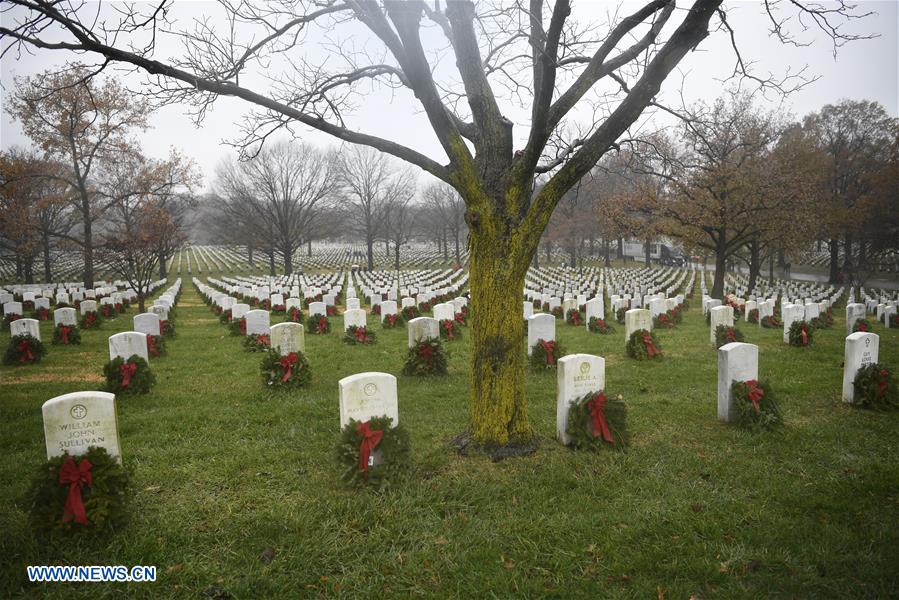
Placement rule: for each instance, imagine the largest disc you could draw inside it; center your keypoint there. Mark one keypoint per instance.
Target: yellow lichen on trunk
(498, 411)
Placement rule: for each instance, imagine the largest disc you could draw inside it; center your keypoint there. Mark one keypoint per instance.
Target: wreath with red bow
(772, 322)
(132, 376)
(426, 357)
(373, 453)
(376, 309)
(355, 334)
(392, 321)
(238, 326)
(599, 326)
(875, 388)
(225, 316)
(461, 318)
(756, 405)
(597, 421)
(24, 349)
(450, 330)
(90, 492)
(90, 320)
(619, 315)
(167, 326)
(557, 312)
(664, 321)
(66, 335)
(801, 333)
(753, 316)
(861, 325)
(279, 309)
(257, 342)
(318, 324)
(643, 345)
(424, 307)
(155, 346)
(288, 371)
(42, 314)
(574, 317)
(726, 335)
(295, 315)
(108, 311)
(545, 354)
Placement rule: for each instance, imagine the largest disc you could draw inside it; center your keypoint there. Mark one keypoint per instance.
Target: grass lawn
(226, 471)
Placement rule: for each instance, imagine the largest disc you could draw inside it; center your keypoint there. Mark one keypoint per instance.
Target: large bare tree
(536, 54)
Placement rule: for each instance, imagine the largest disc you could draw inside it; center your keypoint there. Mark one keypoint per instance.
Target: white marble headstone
(578, 375)
(288, 337)
(736, 362)
(862, 348)
(367, 395)
(74, 422)
(128, 343)
(422, 328)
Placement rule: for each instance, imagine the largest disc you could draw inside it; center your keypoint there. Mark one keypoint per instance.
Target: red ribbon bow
(321, 325)
(882, 383)
(549, 348)
(151, 345)
(460, 318)
(127, 370)
(862, 326)
(360, 335)
(24, 349)
(448, 327)
(576, 318)
(287, 363)
(426, 352)
(263, 339)
(370, 440)
(64, 333)
(243, 327)
(755, 393)
(597, 408)
(651, 350)
(75, 477)
(731, 336)
(804, 335)
(90, 318)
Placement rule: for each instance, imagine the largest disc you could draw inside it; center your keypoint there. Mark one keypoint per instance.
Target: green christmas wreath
(288, 371)
(66, 334)
(772, 322)
(664, 321)
(90, 320)
(24, 349)
(753, 316)
(167, 326)
(546, 354)
(801, 334)
(450, 330)
(392, 321)
(386, 448)
(411, 312)
(295, 315)
(98, 486)
(257, 342)
(599, 326)
(619, 315)
(596, 421)
(9, 318)
(574, 317)
(225, 316)
(358, 335)
(726, 335)
(155, 346)
(756, 405)
(427, 357)
(861, 325)
(132, 376)
(318, 324)
(643, 345)
(819, 323)
(875, 388)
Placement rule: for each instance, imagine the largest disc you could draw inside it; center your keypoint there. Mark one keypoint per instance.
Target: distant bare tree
(449, 208)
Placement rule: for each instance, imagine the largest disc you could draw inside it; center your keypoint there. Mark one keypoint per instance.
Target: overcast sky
(865, 69)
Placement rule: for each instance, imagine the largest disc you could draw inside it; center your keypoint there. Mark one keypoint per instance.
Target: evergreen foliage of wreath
(392, 454)
(108, 311)
(861, 325)
(288, 371)
(237, 326)
(461, 317)
(557, 312)
(168, 326)
(819, 323)
(427, 357)
(771, 322)
(225, 316)
(123, 378)
(9, 318)
(675, 314)
(392, 321)
(574, 317)
(411, 312)
(875, 388)
(41, 314)
(257, 342)
(726, 335)
(24, 349)
(156, 346)
(355, 334)
(318, 324)
(753, 316)
(106, 499)
(585, 426)
(619, 315)
(424, 307)
(599, 326)
(450, 330)
(643, 345)
(90, 320)
(797, 328)
(546, 354)
(894, 320)
(295, 315)
(663, 321)
(66, 335)
(756, 405)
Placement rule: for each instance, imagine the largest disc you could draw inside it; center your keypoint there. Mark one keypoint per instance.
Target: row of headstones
(125, 344)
